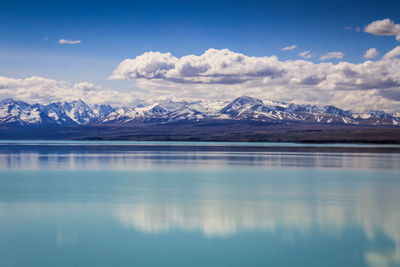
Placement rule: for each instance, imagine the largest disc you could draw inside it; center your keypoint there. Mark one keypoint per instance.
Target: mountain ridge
(15, 113)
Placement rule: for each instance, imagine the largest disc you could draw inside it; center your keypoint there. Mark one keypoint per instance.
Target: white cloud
(213, 67)
(332, 55)
(305, 54)
(385, 27)
(41, 90)
(223, 74)
(395, 52)
(66, 41)
(371, 53)
(288, 48)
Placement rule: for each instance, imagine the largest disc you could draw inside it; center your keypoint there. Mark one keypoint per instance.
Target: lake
(72, 203)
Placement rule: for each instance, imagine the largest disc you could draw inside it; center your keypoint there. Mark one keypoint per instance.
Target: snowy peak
(241, 104)
(19, 113)
(78, 111)
(102, 110)
(246, 100)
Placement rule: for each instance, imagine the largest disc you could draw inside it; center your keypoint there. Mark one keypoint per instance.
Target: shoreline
(51, 146)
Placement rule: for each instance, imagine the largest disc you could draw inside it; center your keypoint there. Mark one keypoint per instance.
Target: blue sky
(112, 31)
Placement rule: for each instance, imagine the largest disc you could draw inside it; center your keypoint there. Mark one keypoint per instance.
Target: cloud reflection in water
(331, 207)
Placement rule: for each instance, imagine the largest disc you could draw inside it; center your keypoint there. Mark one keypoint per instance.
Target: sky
(344, 53)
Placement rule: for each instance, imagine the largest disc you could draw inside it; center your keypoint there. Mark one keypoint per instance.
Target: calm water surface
(63, 204)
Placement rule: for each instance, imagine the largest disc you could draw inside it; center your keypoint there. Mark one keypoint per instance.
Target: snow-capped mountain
(67, 113)
(167, 110)
(19, 113)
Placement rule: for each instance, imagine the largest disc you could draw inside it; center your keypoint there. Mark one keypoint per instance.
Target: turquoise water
(150, 207)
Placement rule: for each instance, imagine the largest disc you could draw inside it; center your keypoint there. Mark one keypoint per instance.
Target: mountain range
(15, 113)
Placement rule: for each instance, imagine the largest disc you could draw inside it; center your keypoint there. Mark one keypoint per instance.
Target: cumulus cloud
(371, 53)
(66, 41)
(332, 55)
(212, 67)
(395, 52)
(288, 48)
(223, 74)
(385, 27)
(42, 90)
(305, 54)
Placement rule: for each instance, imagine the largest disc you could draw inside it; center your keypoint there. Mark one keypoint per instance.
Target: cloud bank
(41, 90)
(223, 74)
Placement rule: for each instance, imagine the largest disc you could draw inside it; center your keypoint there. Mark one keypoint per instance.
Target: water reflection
(152, 160)
(335, 207)
(216, 195)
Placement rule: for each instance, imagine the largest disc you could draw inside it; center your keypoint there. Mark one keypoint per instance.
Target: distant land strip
(223, 131)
